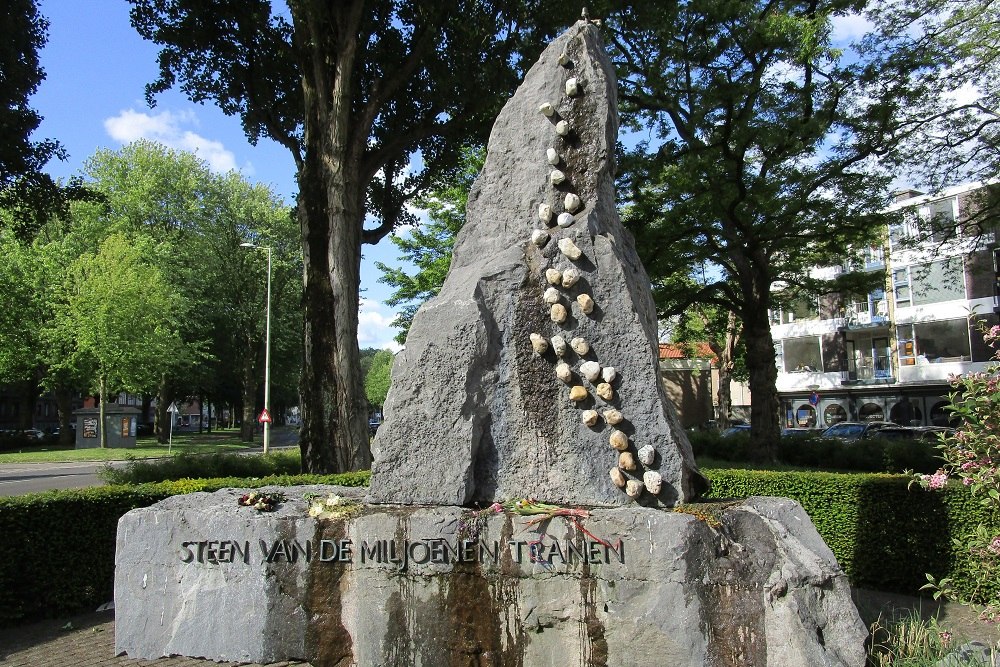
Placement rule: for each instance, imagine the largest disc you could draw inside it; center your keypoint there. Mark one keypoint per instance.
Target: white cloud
(850, 27)
(168, 128)
(374, 326)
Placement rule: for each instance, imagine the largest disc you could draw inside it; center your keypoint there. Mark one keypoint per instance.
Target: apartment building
(888, 355)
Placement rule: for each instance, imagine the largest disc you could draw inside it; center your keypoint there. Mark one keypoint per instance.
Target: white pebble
(545, 213)
(564, 220)
(557, 177)
(572, 87)
(547, 109)
(646, 453)
(571, 202)
(551, 296)
(539, 237)
(570, 277)
(562, 128)
(559, 345)
(653, 481)
(553, 276)
(590, 370)
(570, 249)
(552, 156)
(609, 374)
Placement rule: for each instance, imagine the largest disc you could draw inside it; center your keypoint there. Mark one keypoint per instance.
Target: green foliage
(46, 531)
(912, 642)
(761, 133)
(874, 455)
(885, 535)
(201, 466)
(378, 378)
(122, 313)
(429, 247)
(971, 455)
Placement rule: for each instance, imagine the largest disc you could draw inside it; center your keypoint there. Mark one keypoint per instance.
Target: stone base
(743, 583)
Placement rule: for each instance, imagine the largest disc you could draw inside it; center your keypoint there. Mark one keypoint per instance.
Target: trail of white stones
(602, 379)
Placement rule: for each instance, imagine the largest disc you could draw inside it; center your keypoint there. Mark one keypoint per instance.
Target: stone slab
(198, 575)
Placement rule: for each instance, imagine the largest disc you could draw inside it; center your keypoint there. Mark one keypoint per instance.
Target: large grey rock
(761, 588)
(474, 414)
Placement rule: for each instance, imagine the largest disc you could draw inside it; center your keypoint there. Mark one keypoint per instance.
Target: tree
(378, 378)
(27, 194)
(121, 311)
(429, 246)
(762, 161)
(722, 331)
(353, 90)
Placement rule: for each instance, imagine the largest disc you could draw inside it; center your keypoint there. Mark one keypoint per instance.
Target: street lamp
(267, 347)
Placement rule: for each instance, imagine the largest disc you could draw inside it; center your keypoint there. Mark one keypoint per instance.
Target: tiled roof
(676, 351)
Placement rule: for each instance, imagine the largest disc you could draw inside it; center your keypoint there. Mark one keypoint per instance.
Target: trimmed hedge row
(885, 535)
(59, 546)
(874, 455)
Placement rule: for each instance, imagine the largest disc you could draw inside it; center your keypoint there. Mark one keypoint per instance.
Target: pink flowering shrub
(972, 456)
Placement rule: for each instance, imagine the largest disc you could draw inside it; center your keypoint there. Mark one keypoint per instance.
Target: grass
(913, 642)
(189, 443)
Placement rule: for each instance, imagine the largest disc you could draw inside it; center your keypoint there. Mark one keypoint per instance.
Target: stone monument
(535, 370)
(519, 507)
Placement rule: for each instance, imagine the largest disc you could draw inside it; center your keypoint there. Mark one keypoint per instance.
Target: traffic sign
(265, 417)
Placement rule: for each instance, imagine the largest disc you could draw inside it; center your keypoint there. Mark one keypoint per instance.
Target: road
(19, 478)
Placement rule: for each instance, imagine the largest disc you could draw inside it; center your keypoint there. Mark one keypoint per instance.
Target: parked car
(736, 429)
(800, 432)
(33, 434)
(373, 425)
(856, 430)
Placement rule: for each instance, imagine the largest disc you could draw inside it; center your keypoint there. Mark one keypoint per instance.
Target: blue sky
(93, 97)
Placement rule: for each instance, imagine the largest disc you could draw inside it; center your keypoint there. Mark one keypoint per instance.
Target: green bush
(59, 550)
(202, 466)
(875, 455)
(885, 535)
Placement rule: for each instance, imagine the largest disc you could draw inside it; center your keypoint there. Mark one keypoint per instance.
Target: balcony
(862, 321)
(872, 370)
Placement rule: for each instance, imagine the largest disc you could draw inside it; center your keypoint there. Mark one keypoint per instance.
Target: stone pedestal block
(743, 583)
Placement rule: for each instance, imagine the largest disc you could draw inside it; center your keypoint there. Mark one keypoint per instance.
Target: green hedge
(875, 455)
(886, 536)
(59, 546)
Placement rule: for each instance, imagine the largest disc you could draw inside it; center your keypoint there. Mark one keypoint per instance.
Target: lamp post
(267, 347)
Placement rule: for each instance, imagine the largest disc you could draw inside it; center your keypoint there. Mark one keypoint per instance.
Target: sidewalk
(88, 640)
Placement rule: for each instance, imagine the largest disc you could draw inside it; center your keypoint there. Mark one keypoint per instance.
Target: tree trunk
(28, 392)
(726, 355)
(102, 430)
(163, 418)
(764, 427)
(333, 436)
(64, 404)
(248, 391)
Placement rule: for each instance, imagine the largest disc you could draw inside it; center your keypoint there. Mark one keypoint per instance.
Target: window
(802, 355)
(934, 342)
(937, 281)
(901, 286)
(834, 414)
(937, 219)
(906, 345)
(805, 416)
(871, 412)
